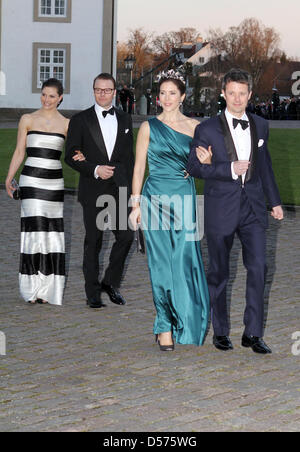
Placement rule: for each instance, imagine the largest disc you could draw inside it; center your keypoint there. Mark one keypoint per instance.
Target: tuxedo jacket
(85, 134)
(222, 194)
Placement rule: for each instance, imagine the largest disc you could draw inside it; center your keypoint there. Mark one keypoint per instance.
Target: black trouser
(93, 245)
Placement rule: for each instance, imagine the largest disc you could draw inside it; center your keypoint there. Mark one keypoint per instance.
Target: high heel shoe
(40, 301)
(164, 348)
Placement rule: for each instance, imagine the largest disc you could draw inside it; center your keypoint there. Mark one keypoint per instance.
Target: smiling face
(170, 96)
(50, 99)
(237, 96)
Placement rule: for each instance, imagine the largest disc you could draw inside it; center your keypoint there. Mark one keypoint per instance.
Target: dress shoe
(256, 343)
(164, 348)
(114, 294)
(95, 303)
(222, 343)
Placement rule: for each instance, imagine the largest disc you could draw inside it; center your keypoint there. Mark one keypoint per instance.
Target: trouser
(92, 247)
(253, 239)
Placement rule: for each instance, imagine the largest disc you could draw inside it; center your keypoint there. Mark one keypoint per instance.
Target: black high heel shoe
(40, 301)
(164, 348)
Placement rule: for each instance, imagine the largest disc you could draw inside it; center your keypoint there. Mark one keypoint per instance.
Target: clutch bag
(140, 243)
(17, 190)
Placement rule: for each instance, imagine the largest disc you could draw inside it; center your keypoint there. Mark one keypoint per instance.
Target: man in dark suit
(237, 180)
(104, 135)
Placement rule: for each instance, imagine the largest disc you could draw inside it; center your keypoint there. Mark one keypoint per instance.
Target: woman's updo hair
(54, 83)
(179, 83)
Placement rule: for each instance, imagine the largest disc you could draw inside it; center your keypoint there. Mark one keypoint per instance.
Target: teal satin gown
(168, 208)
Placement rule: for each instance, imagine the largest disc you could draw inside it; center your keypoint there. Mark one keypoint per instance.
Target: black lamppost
(129, 63)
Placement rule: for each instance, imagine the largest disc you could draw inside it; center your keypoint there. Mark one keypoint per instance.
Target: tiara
(171, 74)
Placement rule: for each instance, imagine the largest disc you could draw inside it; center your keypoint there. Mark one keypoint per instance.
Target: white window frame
(64, 50)
(53, 8)
(52, 17)
(52, 65)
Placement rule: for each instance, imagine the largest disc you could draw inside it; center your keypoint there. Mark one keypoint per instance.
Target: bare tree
(251, 46)
(163, 44)
(187, 34)
(140, 45)
(122, 53)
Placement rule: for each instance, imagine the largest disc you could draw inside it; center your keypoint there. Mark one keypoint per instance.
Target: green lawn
(284, 145)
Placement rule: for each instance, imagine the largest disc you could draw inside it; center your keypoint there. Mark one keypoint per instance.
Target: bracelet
(135, 198)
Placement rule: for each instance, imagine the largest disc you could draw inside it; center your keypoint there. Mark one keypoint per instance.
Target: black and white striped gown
(42, 260)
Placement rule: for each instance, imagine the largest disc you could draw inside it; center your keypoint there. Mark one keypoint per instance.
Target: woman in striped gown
(41, 135)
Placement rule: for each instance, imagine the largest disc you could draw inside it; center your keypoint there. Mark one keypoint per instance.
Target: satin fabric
(169, 222)
(42, 257)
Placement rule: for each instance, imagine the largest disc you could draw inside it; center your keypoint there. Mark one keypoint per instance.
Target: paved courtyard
(72, 368)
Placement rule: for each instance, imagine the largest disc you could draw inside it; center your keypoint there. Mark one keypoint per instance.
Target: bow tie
(243, 123)
(111, 111)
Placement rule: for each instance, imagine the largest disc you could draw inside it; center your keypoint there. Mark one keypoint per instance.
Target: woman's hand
(9, 188)
(204, 155)
(79, 156)
(135, 218)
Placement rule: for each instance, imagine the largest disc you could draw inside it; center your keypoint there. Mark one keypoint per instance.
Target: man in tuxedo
(104, 135)
(237, 181)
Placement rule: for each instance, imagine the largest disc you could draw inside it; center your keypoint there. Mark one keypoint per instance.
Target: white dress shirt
(241, 139)
(109, 129)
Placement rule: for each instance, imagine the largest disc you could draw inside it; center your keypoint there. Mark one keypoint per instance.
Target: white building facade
(72, 40)
(202, 55)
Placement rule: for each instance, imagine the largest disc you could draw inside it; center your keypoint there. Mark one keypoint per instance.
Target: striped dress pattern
(42, 257)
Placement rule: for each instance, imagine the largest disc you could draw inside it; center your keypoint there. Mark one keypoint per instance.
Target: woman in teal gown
(167, 212)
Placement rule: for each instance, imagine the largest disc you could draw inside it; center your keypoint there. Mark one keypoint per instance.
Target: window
(51, 60)
(51, 63)
(201, 60)
(52, 10)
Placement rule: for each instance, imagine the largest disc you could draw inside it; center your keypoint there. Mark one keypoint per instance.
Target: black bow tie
(243, 123)
(111, 111)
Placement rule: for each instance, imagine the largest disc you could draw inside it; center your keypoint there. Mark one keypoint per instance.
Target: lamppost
(129, 63)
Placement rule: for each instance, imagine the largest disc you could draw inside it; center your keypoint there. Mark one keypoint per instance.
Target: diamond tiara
(171, 74)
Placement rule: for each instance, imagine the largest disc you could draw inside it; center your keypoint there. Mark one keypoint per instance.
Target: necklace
(48, 121)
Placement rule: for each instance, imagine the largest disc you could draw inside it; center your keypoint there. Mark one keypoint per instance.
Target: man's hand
(240, 167)
(105, 172)
(277, 213)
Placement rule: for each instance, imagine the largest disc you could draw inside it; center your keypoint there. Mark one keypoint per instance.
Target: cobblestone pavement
(72, 368)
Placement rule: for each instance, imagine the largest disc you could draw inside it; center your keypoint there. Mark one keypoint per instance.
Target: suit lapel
(95, 130)
(119, 133)
(254, 148)
(229, 143)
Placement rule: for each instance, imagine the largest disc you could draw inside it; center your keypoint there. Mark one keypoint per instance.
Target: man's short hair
(239, 76)
(105, 76)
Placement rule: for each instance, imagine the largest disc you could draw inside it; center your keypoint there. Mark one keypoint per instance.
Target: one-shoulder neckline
(176, 131)
(39, 132)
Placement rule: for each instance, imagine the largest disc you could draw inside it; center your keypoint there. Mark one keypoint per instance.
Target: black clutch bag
(17, 190)
(140, 243)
